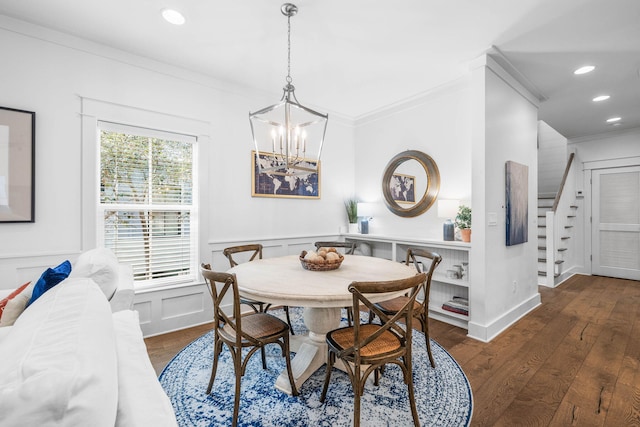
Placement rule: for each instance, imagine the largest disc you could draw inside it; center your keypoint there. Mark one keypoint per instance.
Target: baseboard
(180, 328)
(564, 277)
(486, 333)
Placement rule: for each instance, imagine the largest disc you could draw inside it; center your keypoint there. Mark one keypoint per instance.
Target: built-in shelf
(443, 288)
(444, 279)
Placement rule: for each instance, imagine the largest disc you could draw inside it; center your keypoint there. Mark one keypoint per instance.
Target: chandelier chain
(289, 79)
(287, 131)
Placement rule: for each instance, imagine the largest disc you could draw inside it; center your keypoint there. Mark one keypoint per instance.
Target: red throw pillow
(11, 296)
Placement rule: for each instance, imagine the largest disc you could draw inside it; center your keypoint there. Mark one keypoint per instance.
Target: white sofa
(73, 358)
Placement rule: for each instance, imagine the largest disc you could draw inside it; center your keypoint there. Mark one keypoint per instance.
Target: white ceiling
(354, 57)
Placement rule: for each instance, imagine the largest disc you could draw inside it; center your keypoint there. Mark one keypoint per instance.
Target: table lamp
(365, 210)
(448, 209)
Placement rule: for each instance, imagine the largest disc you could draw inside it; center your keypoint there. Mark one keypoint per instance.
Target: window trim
(94, 111)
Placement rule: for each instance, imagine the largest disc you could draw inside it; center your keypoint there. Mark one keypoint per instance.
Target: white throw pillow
(101, 265)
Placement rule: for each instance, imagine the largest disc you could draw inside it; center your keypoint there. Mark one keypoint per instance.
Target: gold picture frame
(278, 184)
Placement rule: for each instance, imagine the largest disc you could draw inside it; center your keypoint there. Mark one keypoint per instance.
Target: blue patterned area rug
(443, 394)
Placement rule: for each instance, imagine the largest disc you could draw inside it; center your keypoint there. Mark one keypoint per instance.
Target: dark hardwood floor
(574, 361)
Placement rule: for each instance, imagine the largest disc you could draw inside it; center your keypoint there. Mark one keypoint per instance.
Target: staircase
(545, 204)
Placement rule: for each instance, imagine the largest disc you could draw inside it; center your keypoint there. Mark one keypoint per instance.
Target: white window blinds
(146, 201)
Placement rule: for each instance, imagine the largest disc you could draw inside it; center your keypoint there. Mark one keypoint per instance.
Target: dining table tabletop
(323, 294)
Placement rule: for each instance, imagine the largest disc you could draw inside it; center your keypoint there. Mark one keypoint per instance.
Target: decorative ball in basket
(324, 260)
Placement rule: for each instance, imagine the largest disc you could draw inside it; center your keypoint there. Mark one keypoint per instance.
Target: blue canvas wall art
(517, 202)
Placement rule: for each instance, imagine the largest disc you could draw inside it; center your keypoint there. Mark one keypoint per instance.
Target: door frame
(588, 168)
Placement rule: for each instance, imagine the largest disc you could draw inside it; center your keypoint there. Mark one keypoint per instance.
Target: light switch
(492, 218)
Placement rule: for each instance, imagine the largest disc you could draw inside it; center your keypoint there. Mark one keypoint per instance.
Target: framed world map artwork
(402, 188)
(278, 184)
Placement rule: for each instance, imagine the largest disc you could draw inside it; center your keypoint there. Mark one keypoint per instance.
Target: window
(146, 202)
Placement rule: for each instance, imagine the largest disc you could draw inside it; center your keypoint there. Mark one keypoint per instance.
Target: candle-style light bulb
(273, 141)
(304, 141)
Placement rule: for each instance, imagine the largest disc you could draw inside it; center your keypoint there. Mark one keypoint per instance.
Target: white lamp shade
(448, 208)
(365, 209)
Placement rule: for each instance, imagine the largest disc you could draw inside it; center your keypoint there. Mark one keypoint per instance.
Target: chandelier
(288, 136)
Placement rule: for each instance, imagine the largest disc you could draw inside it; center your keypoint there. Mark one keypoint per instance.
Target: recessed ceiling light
(601, 98)
(173, 16)
(614, 119)
(585, 69)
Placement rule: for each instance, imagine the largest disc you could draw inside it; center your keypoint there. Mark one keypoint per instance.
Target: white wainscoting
(169, 308)
(174, 308)
(272, 247)
(16, 269)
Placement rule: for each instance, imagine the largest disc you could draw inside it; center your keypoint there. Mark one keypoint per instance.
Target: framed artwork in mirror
(276, 184)
(402, 188)
(17, 165)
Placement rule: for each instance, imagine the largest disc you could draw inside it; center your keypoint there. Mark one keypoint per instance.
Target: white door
(616, 222)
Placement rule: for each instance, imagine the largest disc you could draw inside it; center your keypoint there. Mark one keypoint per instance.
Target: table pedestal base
(311, 350)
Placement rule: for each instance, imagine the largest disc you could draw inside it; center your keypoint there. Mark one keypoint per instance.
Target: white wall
(503, 278)
(49, 73)
(470, 128)
(437, 124)
(612, 146)
(552, 159)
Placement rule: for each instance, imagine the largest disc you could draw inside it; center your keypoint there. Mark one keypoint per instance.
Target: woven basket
(320, 267)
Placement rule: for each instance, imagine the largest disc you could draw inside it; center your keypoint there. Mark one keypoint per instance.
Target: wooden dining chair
(252, 251)
(255, 331)
(371, 346)
(421, 309)
(349, 249)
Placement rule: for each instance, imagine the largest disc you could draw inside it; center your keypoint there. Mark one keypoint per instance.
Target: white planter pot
(353, 228)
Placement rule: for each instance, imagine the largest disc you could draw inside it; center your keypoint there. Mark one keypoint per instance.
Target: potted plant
(352, 213)
(463, 222)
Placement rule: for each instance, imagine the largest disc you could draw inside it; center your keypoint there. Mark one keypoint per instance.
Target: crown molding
(445, 89)
(604, 135)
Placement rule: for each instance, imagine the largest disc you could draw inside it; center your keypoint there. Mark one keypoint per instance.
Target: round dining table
(283, 281)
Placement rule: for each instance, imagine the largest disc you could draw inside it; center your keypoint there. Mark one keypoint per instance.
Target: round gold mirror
(410, 183)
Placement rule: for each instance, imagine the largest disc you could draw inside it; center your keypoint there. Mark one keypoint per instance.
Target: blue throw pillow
(50, 278)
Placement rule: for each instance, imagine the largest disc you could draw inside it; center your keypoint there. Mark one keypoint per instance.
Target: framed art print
(274, 184)
(402, 188)
(17, 165)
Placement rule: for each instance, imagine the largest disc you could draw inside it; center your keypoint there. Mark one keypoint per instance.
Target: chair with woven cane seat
(255, 331)
(421, 309)
(371, 346)
(254, 251)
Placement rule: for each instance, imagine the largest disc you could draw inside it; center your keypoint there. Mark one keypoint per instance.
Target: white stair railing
(556, 219)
